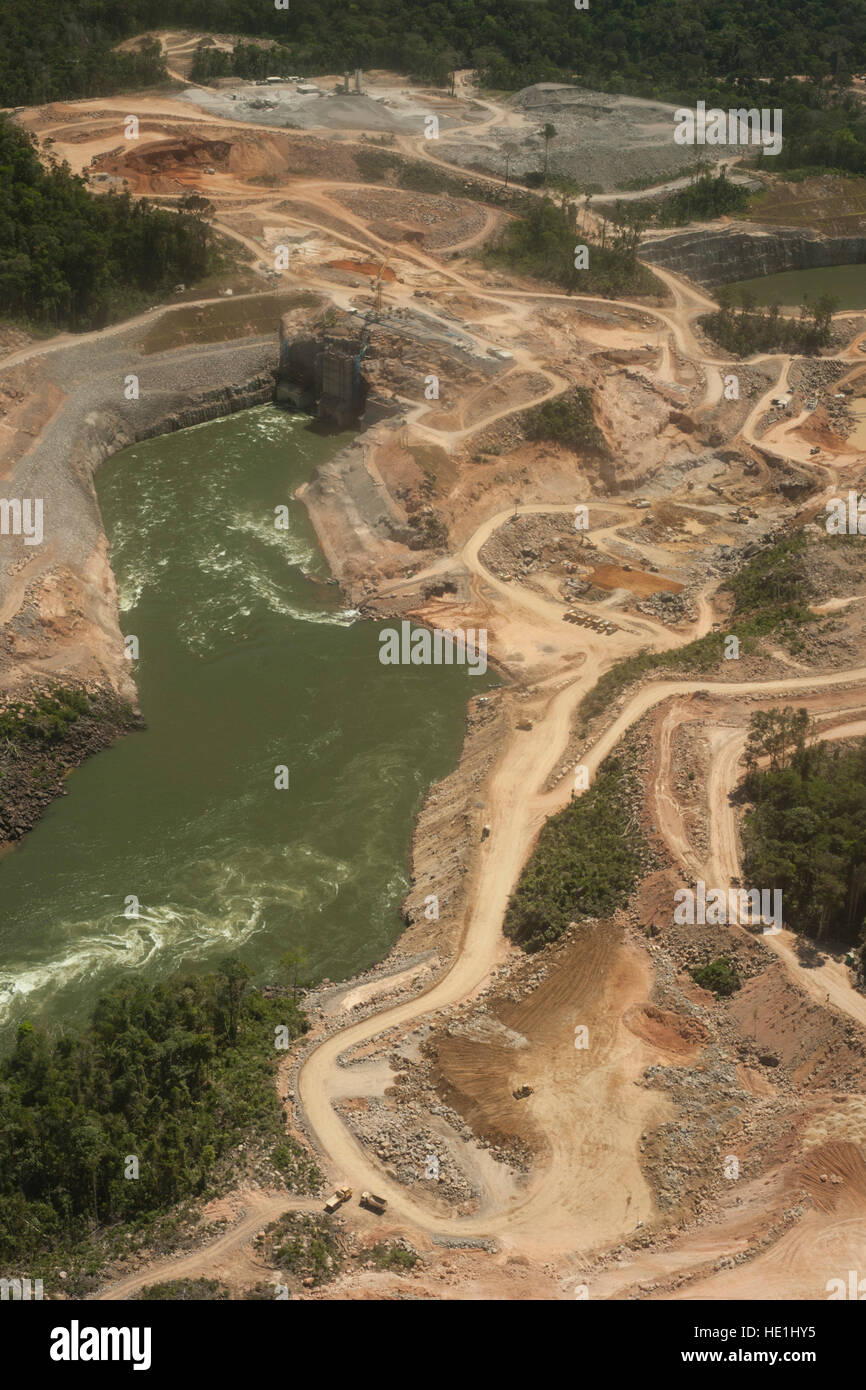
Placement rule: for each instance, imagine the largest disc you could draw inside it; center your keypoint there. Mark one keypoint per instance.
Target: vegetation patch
(586, 863)
(805, 832)
(71, 259)
(43, 720)
(541, 243)
(767, 330)
(396, 1258)
(42, 739)
(183, 1291)
(719, 975)
(303, 1246)
(568, 420)
(706, 197)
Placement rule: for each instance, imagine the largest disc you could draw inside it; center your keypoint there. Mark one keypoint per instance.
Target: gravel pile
(444, 220)
(414, 1155)
(601, 140)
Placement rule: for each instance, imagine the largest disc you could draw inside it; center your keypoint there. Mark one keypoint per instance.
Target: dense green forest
(717, 50)
(669, 47)
(586, 863)
(249, 60)
(805, 832)
(72, 259)
(768, 330)
(542, 242)
(174, 1074)
(51, 52)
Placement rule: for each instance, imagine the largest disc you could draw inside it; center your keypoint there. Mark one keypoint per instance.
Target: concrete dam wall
(322, 374)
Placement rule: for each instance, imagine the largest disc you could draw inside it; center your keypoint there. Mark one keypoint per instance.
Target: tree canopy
(806, 830)
(586, 863)
(73, 259)
(173, 1074)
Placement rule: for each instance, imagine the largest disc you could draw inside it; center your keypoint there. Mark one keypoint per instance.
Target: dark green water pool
(846, 283)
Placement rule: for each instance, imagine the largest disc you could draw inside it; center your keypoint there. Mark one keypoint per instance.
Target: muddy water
(846, 283)
(245, 665)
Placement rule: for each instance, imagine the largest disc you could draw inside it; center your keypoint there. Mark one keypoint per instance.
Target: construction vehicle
(336, 1200)
(373, 1202)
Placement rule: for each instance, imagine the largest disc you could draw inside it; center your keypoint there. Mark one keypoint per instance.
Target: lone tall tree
(293, 962)
(548, 132)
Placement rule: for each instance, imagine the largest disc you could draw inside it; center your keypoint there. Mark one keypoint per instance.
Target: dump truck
(336, 1200)
(373, 1202)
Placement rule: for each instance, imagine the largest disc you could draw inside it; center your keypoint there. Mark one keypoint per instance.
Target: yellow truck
(336, 1200)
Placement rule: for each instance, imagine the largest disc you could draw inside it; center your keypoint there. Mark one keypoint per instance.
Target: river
(245, 665)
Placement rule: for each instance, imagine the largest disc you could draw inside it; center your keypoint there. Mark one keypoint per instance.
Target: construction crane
(376, 285)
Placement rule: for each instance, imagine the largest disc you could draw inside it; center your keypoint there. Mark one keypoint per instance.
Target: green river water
(847, 284)
(244, 665)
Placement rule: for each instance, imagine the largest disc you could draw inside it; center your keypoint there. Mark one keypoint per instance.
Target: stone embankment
(716, 255)
(33, 772)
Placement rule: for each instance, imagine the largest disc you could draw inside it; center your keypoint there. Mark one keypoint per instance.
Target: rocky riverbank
(34, 765)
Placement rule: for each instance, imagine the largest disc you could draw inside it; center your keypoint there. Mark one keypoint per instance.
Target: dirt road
(518, 806)
(212, 1260)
